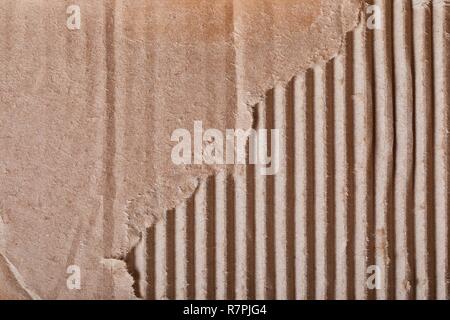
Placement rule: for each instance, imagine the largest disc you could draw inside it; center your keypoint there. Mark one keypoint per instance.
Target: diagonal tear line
(19, 278)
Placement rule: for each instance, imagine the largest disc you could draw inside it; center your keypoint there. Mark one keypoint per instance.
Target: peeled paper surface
(86, 118)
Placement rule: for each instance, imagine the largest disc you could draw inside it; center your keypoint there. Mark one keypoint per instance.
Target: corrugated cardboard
(87, 179)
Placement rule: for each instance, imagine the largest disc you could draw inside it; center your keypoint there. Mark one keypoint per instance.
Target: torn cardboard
(86, 117)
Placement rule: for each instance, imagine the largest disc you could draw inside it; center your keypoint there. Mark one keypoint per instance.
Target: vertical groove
(250, 231)
(170, 254)
(323, 177)
(320, 177)
(351, 146)
(311, 187)
(181, 238)
(291, 189)
(280, 211)
(441, 16)
(211, 239)
(221, 236)
(161, 259)
(330, 186)
(190, 248)
(371, 127)
(384, 150)
(230, 229)
(302, 187)
(200, 235)
(241, 232)
(260, 212)
(270, 207)
(151, 261)
(423, 188)
(404, 146)
(375, 178)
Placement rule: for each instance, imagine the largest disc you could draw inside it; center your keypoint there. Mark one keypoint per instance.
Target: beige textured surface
(86, 117)
(85, 123)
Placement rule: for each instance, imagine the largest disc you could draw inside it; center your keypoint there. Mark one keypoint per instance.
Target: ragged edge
(125, 273)
(120, 276)
(140, 218)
